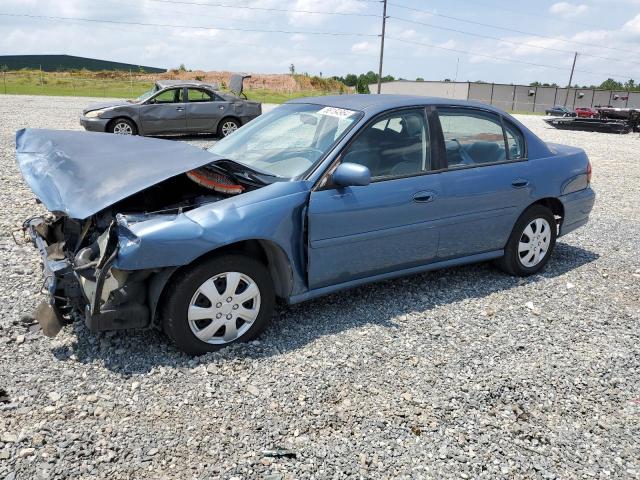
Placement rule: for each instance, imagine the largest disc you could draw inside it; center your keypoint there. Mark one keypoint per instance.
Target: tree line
(362, 81)
(609, 84)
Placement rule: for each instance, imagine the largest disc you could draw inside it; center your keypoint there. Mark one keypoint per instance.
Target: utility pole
(384, 24)
(573, 67)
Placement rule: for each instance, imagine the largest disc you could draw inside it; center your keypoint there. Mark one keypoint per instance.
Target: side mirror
(351, 175)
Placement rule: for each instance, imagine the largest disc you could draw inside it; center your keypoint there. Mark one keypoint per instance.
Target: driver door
(390, 224)
(164, 113)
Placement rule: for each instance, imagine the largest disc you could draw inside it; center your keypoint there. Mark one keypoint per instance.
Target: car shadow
(139, 351)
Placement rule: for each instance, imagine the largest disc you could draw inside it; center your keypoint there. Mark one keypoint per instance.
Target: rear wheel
(221, 301)
(228, 126)
(531, 242)
(123, 126)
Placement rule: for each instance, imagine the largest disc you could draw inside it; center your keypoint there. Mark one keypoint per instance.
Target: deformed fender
(271, 214)
(156, 287)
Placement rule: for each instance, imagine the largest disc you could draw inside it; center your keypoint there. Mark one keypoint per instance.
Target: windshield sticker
(336, 112)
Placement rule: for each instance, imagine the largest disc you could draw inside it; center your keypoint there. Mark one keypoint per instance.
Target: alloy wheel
(534, 242)
(228, 128)
(122, 128)
(223, 308)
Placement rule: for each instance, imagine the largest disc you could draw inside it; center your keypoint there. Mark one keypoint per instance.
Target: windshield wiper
(241, 172)
(253, 169)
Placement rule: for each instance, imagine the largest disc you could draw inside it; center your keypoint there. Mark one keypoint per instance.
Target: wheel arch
(553, 204)
(268, 252)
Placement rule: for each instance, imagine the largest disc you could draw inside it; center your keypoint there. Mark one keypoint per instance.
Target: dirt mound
(274, 82)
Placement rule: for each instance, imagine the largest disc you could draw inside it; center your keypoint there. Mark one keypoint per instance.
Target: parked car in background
(560, 111)
(318, 195)
(586, 112)
(175, 107)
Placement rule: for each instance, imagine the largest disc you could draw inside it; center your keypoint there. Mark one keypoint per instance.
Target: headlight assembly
(94, 113)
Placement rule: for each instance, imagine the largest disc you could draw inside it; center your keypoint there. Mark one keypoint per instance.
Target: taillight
(589, 171)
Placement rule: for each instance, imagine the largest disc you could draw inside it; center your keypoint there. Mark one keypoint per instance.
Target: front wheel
(220, 301)
(531, 242)
(122, 126)
(228, 126)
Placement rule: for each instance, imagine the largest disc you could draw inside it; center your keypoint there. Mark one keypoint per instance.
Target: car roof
(372, 104)
(185, 83)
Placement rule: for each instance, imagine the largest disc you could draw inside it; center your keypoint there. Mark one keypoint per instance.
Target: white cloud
(364, 47)
(633, 25)
(567, 9)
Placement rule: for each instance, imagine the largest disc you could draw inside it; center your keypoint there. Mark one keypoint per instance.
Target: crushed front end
(79, 280)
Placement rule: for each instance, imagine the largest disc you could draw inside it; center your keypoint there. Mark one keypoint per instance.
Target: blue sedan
(318, 195)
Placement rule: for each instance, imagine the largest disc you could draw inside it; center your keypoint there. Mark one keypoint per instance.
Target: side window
(168, 96)
(396, 145)
(472, 137)
(197, 95)
(515, 142)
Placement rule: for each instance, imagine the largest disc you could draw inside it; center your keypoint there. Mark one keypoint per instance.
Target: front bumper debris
(105, 297)
(49, 318)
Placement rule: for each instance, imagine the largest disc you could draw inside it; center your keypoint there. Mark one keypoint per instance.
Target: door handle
(179, 109)
(221, 107)
(424, 197)
(520, 183)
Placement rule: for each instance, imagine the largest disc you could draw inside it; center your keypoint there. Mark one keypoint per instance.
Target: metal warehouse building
(515, 98)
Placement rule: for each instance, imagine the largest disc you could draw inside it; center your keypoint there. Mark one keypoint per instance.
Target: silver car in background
(175, 107)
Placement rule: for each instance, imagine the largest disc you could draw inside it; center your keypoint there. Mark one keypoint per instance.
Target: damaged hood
(78, 174)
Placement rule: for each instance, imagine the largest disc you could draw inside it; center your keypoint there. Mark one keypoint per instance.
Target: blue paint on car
(338, 191)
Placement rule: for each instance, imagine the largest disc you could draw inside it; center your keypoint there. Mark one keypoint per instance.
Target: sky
(495, 41)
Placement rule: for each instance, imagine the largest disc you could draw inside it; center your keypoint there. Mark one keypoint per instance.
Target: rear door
(204, 110)
(486, 184)
(164, 112)
(388, 225)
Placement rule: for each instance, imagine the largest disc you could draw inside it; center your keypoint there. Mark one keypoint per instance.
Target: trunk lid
(78, 174)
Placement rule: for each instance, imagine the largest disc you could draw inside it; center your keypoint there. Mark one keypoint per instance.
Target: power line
(503, 59)
(479, 35)
(266, 9)
(193, 27)
(533, 14)
(468, 52)
(522, 32)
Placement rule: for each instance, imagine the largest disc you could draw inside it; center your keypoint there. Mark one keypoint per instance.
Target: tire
(122, 126)
(227, 126)
(185, 312)
(539, 221)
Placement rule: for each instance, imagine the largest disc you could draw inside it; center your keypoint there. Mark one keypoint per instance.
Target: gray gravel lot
(461, 373)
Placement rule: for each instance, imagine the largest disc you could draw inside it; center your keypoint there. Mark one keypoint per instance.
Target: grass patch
(79, 84)
(270, 96)
(34, 84)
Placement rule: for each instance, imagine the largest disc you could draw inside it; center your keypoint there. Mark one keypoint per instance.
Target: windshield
(289, 140)
(147, 94)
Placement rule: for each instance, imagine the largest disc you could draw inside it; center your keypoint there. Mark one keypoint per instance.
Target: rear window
(476, 137)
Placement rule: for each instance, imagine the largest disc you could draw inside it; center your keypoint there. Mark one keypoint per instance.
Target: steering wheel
(305, 152)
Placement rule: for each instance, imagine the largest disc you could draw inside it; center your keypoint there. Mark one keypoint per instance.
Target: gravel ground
(461, 373)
